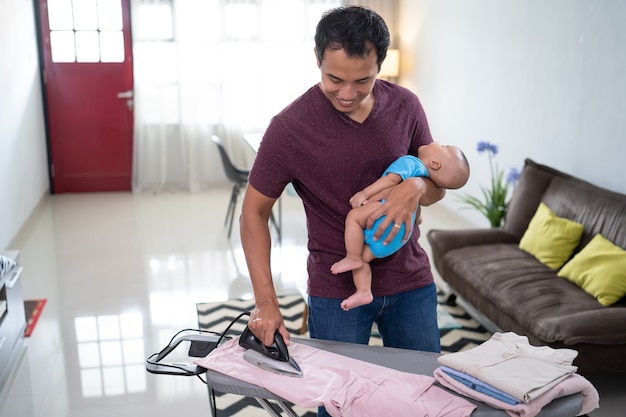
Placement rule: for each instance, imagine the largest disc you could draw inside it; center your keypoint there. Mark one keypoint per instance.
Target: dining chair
(239, 178)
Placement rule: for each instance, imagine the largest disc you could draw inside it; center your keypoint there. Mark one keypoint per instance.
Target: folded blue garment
(480, 386)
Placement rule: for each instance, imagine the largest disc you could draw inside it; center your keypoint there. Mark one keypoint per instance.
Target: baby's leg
(346, 264)
(363, 282)
(354, 238)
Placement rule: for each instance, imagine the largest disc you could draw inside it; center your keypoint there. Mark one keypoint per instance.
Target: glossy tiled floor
(122, 274)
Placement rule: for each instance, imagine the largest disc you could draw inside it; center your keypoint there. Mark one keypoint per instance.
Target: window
(213, 66)
(86, 30)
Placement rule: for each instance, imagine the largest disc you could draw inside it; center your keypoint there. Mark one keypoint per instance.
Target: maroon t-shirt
(329, 157)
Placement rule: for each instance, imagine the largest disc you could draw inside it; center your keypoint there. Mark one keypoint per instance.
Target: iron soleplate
(289, 368)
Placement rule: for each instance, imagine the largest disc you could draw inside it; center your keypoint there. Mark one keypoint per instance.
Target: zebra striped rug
(467, 333)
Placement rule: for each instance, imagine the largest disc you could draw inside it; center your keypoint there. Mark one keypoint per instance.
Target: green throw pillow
(599, 269)
(549, 238)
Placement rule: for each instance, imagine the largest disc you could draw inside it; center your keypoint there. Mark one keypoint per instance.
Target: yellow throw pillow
(599, 269)
(551, 239)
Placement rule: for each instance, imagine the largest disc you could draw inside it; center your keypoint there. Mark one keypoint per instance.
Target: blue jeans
(407, 320)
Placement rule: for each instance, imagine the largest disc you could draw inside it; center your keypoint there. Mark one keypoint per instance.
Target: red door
(88, 76)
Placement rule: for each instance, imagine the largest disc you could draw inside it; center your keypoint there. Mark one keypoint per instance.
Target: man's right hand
(264, 321)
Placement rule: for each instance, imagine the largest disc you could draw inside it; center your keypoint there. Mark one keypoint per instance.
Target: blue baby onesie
(406, 166)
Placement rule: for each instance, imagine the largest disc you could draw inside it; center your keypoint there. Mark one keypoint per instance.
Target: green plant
(493, 202)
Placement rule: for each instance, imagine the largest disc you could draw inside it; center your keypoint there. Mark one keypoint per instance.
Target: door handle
(125, 94)
(128, 95)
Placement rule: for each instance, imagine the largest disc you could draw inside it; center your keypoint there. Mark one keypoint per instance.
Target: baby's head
(447, 165)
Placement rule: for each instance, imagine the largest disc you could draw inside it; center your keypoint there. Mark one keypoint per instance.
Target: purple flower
(487, 147)
(494, 200)
(513, 176)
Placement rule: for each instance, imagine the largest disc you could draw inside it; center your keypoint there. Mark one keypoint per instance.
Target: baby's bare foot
(346, 265)
(356, 300)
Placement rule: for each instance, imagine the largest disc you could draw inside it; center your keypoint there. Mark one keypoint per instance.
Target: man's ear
(319, 64)
(434, 164)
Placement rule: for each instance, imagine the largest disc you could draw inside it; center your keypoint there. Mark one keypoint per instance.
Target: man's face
(348, 81)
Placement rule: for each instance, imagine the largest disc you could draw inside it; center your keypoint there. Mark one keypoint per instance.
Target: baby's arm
(377, 186)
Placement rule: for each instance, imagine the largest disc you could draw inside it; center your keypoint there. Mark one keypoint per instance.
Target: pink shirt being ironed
(346, 387)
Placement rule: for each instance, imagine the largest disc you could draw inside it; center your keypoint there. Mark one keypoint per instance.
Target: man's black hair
(351, 28)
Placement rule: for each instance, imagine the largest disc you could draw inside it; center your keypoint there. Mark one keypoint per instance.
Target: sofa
(510, 285)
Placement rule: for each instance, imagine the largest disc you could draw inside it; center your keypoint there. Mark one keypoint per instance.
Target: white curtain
(213, 66)
(388, 10)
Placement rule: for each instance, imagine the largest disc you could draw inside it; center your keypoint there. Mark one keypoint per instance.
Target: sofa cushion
(599, 210)
(600, 269)
(550, 238)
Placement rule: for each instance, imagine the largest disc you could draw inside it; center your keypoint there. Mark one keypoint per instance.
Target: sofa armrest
(443, 241)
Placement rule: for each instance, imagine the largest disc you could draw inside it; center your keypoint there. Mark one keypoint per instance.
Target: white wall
(23, 172)
(544, 80)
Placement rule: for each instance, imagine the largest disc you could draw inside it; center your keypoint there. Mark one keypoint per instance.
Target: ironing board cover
(346, 387)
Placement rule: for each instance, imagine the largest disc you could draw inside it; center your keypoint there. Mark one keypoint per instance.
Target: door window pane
(109, 15)
(62, 44)
(60, 15)
(112, 46)
(87, 46)
(85, 15)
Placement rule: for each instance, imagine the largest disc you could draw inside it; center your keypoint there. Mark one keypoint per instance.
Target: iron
(273, 358)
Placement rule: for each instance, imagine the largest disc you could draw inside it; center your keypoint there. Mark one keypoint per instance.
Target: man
(331, 142)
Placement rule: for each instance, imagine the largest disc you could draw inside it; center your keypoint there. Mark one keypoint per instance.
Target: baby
(446, 166)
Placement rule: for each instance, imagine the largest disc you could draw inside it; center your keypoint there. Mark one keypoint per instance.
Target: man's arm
(255, 238)
(400, 203)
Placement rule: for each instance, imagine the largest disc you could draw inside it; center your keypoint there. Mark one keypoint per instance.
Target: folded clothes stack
(507, 372)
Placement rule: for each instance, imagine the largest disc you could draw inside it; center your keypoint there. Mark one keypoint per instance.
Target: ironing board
(400, 359)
